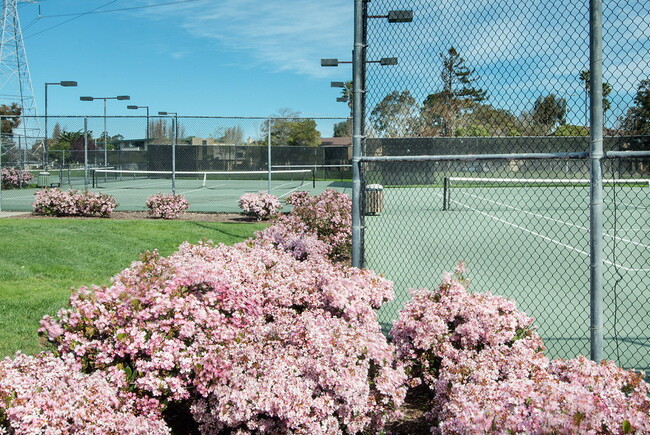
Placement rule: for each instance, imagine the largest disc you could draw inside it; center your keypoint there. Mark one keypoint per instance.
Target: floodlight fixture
(68, 83)
(402, 16)
(329, 62)
(388, 61)
(405, 16)
(86, 98)
(162, 113)
(105, 134)
(342, 99)
(337, 84)
(123, 97)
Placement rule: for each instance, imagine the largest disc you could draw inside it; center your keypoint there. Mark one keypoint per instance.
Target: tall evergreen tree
(442, 110)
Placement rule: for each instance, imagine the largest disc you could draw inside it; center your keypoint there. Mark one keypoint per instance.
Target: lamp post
(175, 128)
(142, 107)
(358, 109)
(64, 83)
(119, 97)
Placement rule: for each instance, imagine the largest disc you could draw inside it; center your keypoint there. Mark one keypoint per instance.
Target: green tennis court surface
(530, 244)
(214, 195)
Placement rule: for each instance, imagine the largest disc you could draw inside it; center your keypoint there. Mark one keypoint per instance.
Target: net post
(313, 178)
(445, 194)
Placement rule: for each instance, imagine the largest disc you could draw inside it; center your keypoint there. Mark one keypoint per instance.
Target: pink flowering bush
(15, 178)
(572, 396)
(260, 205)
(326, 217)
(45, 394)
(483, 365)
(166, 205)
(55, 202)
(245, 337)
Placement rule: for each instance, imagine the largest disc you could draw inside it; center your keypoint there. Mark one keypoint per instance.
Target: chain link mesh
(477, 78)
(213, 161)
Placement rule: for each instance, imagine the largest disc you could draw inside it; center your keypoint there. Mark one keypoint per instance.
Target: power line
(120, 9)
(71, 19)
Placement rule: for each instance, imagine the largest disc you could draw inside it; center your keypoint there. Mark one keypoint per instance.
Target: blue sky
(225, 58)
(254, 57)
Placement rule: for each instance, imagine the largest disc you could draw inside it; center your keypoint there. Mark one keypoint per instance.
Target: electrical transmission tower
(15, 80)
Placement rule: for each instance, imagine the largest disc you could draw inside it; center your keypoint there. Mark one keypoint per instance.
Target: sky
(193, 57)
(255, 57)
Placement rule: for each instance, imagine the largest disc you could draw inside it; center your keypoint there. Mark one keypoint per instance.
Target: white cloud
(281, 35)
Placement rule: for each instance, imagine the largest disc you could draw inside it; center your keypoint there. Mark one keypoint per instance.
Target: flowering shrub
(260, 205)
(326, 217)
(45, 394)
(55, 202)
(248, 336)
(166, 205)
(483, 365)
(15, 178)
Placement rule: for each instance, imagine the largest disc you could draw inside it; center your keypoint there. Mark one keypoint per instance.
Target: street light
(175, 128)
(358, 108)
(119, 97)
(64, 83)
(142, 107)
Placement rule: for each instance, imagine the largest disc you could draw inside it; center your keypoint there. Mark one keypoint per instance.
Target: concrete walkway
(4, 214)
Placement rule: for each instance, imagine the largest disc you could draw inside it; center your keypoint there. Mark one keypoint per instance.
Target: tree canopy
(11, 117)
(637, 118)
(442, 110)
(396, 115)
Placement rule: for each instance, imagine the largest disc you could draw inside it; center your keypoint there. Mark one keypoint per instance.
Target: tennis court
(208, 191)
(526, 242)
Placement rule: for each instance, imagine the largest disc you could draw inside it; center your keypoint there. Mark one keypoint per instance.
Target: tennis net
(540, 193)
(134, 179)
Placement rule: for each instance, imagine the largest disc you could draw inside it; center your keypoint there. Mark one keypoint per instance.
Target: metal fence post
(269, 155)
(86, 152)
(596, 175)
(357, 133)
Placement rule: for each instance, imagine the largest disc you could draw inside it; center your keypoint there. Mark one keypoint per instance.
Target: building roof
(336, 141)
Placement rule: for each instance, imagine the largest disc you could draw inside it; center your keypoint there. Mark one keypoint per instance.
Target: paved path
(4, 214)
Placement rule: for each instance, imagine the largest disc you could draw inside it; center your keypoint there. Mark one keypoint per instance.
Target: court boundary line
(547, 238)
(553, 219)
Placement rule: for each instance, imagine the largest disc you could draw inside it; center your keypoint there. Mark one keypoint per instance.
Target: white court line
(557, 242)
(622, 239)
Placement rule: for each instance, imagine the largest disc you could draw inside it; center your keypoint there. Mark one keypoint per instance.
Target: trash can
(43, 179)
(374, 199)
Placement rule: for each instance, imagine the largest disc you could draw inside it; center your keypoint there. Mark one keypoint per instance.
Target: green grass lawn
(42, 259)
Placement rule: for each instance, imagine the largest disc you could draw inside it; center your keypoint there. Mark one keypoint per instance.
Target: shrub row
(55, 202)
(272, 336)
(15, 178)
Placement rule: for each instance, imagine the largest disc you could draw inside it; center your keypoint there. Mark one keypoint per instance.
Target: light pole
(142, 107)
(65, 83)
(175, 128)
(119, 97)
(358, 109)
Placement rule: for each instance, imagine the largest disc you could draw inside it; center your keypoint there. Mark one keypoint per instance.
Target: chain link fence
(477, 149)
(211, 160)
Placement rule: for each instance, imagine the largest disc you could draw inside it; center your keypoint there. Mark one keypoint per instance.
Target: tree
(11, 117)
(548, 112)
(607, 89)
(493, 122)
(442, 110)
(571, 130)
(343, 129)
(637, 118)
(56, 132)
(230, 135)
(396, 115)
(303, 134)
